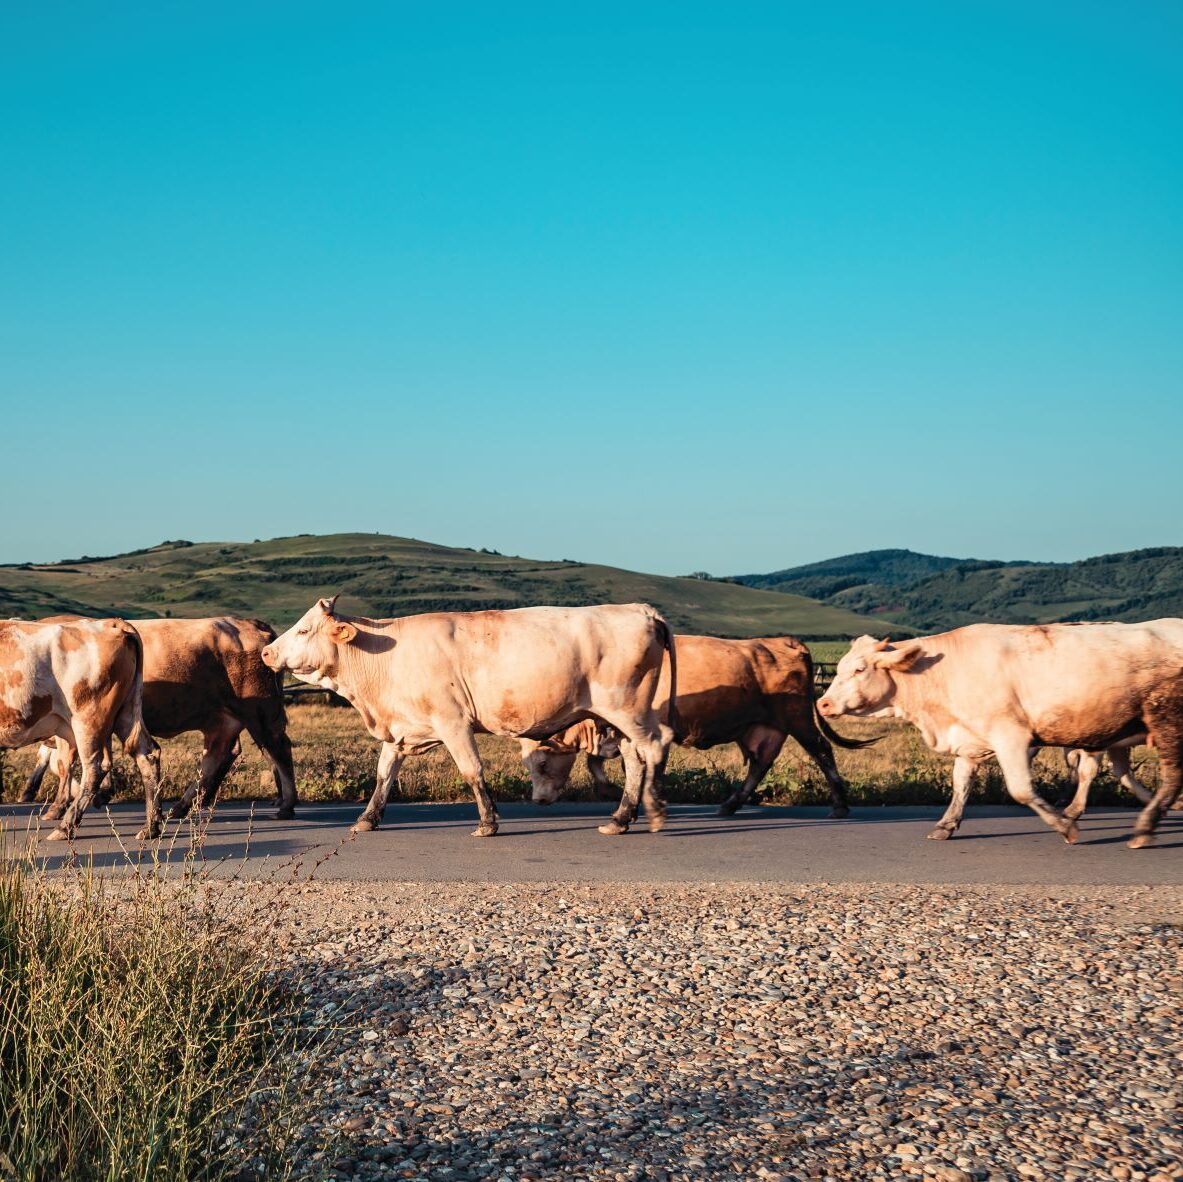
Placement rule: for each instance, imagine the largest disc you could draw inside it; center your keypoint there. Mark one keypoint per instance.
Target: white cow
(422, 681)
(998, 689)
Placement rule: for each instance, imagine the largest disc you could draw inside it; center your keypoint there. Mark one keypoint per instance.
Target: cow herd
(605, 682)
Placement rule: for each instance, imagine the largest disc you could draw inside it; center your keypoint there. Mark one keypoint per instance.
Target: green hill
(932, 594)
(382, 576)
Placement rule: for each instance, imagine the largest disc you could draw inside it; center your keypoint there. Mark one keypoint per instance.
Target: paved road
(431, 842)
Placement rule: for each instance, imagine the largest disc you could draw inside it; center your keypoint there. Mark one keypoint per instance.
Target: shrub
(139, 1036)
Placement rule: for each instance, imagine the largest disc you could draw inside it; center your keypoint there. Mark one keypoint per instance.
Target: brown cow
(999, 689)
(81, 682)
(754, 693)
(422, 681)
(204, 675)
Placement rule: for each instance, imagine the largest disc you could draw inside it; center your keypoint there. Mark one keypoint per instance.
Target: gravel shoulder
(738, 1030)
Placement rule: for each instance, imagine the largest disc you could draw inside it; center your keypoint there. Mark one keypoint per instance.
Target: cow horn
(327, 604)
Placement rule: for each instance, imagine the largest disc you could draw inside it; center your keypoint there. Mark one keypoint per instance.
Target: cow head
(550, 762)
(310, 648)
(863, 683)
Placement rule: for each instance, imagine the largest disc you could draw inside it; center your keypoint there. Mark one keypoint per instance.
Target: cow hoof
(545, 804)
(58, 834)
(728, 808)
(285, 815)
(939, 834)
(613, 828)
(363, 825)
(838, 813)
(1071, 832)
(1142, 841)
(148, 833)
(657, 823)
(177, 813)
(485, 831)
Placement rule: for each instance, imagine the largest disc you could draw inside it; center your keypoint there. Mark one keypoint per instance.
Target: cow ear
(341, 632)
(898, 660)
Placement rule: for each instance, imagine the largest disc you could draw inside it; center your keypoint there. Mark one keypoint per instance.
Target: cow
(81, 682)
(422, 681)
(754, 693)
(1000, 689)
(203, 675)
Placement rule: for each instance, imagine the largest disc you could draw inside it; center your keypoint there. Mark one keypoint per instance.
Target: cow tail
(137, 732)
(667, 641)
(822, 725)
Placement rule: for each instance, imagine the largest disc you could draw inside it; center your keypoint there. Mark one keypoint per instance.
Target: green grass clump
(139, 1037)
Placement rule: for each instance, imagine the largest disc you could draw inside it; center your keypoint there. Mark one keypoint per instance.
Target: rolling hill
(382, 576)
(930, 594)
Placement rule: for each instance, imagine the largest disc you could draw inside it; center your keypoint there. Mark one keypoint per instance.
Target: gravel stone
(779, 1032)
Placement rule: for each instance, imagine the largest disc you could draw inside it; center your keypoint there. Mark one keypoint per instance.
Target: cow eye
(861, 667)
(303, 631)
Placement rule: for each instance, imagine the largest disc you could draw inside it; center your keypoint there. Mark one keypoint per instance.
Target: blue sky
(673, 287)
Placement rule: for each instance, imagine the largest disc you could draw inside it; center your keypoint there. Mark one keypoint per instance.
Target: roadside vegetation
(336, 760)
(142, 1035)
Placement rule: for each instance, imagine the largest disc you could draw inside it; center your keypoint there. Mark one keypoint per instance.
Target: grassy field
(335, 760)
(377, 575)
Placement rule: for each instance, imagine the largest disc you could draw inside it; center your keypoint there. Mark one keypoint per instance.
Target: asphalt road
(431, 842)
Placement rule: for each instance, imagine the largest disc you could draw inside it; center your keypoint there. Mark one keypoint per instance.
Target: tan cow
(999, 689)
(754, 693)
(81, 682)
(422, 681)
(203, 675)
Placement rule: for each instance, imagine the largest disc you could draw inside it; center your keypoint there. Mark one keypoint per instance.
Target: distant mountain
(378, 575)
(932, 594)
(886, 568)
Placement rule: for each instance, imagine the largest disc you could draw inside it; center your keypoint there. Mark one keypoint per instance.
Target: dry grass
(142, 1034)
(336, 759)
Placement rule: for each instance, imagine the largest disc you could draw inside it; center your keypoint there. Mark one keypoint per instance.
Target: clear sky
(674, 287)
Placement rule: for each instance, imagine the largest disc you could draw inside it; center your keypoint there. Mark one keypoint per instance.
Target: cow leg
(1164, 718)
(146, 753)
(1170, 780)
(818, 748)
(91, 755)
(1013, 752)
(102, 798)
(625, 812)
(1119, 757)
(461, 745)
(219, 750)
(605, 789)
(389, 761)
(1086, 765)
(644, 755)
(33, 783)
(964, 772)
(272, 738)
(62, 763)
(760, 747)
